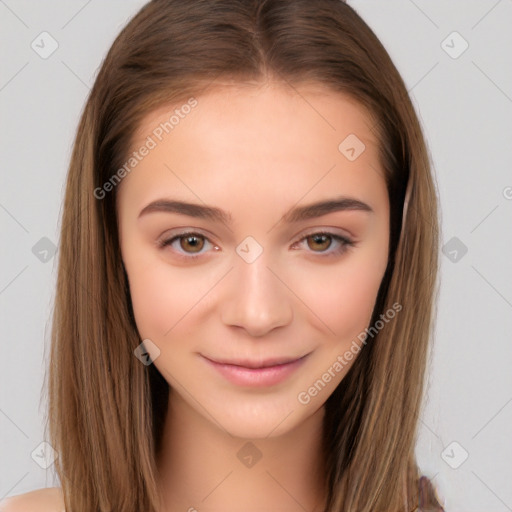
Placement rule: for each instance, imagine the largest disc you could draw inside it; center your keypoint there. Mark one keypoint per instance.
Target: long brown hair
(106, 408)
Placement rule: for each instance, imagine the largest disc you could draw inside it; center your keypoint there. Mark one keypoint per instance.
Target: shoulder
(41, 500)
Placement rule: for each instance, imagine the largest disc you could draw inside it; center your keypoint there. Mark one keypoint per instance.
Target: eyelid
(327, 231)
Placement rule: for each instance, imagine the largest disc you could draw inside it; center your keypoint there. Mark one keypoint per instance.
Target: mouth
(256, 373)
(256, 364)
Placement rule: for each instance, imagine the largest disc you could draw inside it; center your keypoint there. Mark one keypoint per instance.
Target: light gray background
(465, 106)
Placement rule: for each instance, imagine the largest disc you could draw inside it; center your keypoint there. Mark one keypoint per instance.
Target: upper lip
(264, 363)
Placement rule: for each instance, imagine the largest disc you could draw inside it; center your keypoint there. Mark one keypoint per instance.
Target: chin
(263, 417)
(257, 428)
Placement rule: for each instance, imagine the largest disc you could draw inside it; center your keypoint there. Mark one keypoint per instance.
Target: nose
(257, 299)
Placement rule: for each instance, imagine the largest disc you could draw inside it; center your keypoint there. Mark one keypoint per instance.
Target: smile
(256, 374)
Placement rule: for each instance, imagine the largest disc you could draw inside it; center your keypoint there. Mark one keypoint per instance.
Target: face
(252, 295)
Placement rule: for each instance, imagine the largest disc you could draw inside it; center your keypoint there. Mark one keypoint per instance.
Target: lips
(256, 364)
(256, 373)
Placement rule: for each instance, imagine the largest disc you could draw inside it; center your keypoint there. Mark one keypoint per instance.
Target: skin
(40, 500)
(255, 152)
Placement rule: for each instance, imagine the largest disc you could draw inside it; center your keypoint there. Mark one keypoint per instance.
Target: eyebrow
(298, 214)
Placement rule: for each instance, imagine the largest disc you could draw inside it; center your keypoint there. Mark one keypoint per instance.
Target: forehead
(276, 140)
(295, 113)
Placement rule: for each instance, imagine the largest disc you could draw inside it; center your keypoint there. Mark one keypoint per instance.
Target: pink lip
(256, 374)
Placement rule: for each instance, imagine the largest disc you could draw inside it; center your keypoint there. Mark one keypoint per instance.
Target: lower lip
(256, 377)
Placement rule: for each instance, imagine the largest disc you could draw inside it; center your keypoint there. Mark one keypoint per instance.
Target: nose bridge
(258, 301)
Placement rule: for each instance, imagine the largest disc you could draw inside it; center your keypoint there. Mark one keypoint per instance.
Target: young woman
(247, 270)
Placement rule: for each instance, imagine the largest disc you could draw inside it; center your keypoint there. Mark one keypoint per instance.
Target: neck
(202, 467)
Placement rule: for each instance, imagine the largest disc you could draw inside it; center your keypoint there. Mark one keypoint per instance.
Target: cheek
(341, 299)
(161, 297)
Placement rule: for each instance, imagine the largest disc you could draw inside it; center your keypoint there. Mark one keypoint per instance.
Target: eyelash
(346, 243)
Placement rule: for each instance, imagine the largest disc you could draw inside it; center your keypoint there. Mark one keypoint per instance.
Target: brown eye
(187, 245)
(320, 242)
(191, 243)
(325, 244)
